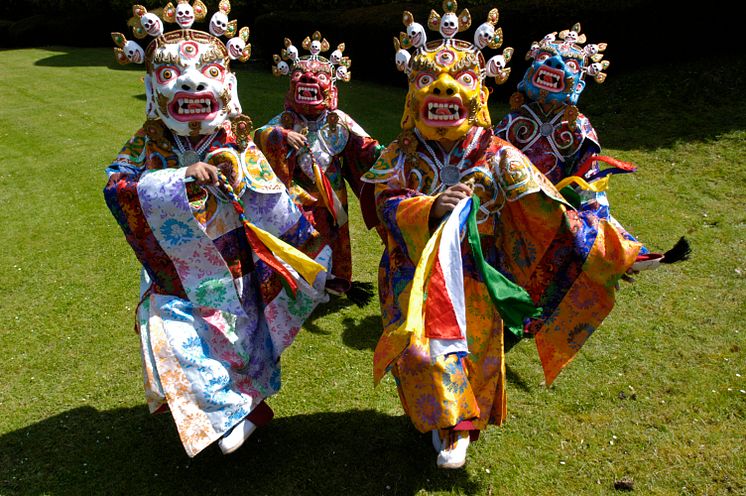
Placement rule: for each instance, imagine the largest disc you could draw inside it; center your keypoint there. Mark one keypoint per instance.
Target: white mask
(190, 87)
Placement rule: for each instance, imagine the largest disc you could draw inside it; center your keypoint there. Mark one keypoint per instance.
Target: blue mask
(556, 74)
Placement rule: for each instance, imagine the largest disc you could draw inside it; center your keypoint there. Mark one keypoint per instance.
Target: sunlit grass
(656, 395)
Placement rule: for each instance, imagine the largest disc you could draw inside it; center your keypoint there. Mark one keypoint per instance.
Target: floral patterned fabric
(214, 319)
(528, 233)
(559, 150)
(342, 150)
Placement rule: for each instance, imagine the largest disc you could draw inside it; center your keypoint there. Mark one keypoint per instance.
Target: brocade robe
(343, 151)
(214, 318)
(562, 151)
(527, 232)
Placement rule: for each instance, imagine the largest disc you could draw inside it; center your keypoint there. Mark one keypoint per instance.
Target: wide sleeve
(131, 159)
(359, 155)
(123, 199)
(272, 141)
(403, 212)
(543, 245)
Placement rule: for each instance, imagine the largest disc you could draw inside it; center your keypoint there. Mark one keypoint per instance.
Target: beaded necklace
(187, 154)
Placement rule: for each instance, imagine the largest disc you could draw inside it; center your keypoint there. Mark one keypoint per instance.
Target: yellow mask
(446, 93)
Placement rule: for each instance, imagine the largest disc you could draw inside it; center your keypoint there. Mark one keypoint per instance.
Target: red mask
(311, 88)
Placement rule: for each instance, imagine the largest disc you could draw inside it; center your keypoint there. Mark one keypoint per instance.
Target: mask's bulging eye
(573, 66)
(542, 57)
(424, 80)
(166, 73)
(467, 79)
(213, 71)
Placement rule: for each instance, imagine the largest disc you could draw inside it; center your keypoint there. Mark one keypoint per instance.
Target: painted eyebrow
(165, 58)
(454, 74)
(468, 61)
(210, 55)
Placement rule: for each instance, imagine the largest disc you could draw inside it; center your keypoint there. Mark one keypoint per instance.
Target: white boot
(236, 437)
(453, 449)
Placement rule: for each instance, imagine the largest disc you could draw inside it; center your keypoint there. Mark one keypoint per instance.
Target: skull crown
(448, 25)
(289, 57)
(184, 15)
(593, 63)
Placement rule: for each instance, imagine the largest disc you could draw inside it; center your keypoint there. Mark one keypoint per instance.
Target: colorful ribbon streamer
(512, 301)
(328, 196)
(273, 250)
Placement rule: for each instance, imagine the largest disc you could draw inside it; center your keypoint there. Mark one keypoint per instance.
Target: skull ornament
(152, 24)
(218, 24)
(496, 65)
(594, 69)
(315, 47)
(416, 34)
(571, 36)
(449, 25)
(134, 52)
(184, 15)
(484, 35)
(283, 68)
(336, 57)
(235, 48)
(290, 53)
(342, 73)
(402, 60)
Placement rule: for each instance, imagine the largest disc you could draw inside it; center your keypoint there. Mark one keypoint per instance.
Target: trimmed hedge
(638, 32)
(27, 23)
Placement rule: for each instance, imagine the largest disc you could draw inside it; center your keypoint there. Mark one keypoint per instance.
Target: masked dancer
(479, 244)
(231, 266)
(314, 148)
(546, 125)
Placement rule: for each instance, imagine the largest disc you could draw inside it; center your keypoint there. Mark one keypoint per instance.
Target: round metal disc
(450, 175)
(188, 158)
(546, 129)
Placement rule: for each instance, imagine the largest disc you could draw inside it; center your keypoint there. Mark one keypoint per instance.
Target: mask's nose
(445, 86)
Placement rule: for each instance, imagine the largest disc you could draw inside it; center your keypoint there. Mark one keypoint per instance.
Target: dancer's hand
(448, 199)
(297, 140)
(229, 171)
(203, 173)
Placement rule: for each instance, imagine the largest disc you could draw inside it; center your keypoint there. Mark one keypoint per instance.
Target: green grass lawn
(657, 395)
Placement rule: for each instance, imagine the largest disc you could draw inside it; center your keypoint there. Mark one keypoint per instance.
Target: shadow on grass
(512, 377)
(659, 107)
(124, 451)
(334, 305)
(362, 334)
(84, 57)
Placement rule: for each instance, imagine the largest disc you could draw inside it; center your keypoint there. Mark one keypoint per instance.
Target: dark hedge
(638, 32)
